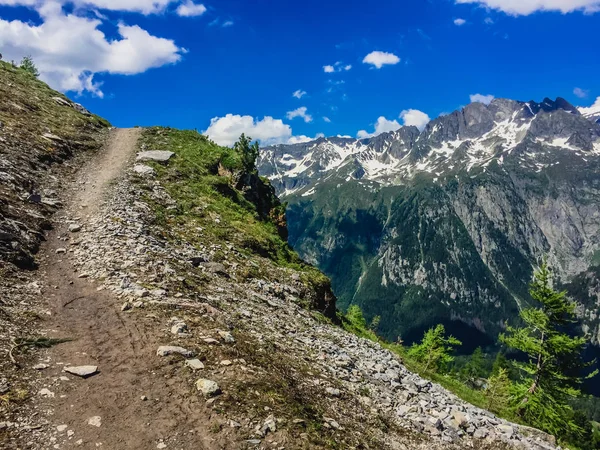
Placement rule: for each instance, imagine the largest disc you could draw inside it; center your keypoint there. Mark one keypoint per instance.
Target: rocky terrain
(43, 135)
(446, 225)
(167, 311)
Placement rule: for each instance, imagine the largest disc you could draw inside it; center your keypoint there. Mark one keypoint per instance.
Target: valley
(445, 225)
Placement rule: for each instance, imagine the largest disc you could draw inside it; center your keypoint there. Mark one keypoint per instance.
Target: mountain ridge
(484, 192)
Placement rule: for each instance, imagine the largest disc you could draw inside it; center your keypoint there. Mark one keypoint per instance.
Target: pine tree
(248, 152)
(497, 391)
(475, 368)
(551, 375)
(434, 350)
(28, 65)
(499, 363)
(356, 317)
(375, 323)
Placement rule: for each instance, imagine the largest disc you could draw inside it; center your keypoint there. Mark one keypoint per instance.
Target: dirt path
(137, 396)
(96, 177)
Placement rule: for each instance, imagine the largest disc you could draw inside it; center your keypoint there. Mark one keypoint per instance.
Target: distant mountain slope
(593, 112)
(445, 225)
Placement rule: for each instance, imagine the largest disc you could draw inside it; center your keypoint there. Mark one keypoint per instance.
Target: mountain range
(446, 225)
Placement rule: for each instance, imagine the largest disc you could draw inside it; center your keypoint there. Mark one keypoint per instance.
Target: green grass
(203, 180)
(30, 105)
(200, 180)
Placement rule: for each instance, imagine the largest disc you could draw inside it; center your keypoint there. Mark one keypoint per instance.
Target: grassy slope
(201, 179)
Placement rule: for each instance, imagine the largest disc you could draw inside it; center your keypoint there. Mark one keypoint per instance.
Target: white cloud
(379, 59)
(526, 7)
(581, 93)
(227, 23)
(140, 6)
(337, 67)
(227, 130)
(381, 126)
(459, 22)
(488, 21)
(415, 118)
(190, 9)
(299, 93)
(302, 139)
(326, 119)
(299, 112)
(69, 49)
(480, 98)
(594, 109)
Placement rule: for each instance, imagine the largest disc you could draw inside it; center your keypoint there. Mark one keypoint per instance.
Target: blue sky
(183, 63)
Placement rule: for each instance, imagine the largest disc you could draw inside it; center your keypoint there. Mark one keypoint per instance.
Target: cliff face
(447, 225)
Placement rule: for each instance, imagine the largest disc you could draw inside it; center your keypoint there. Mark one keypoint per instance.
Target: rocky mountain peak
(466, 139)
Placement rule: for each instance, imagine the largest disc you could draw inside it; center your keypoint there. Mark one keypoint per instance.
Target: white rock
(40, 366)
(194, 364)
(95, 421)
(179, 328)
(166, 350)
(161, 156)
(74, 228)
(82, 371)
(227, 337)
(141, 293)
(208, 387)
(46, 393)
(143, 170)
(333, 392)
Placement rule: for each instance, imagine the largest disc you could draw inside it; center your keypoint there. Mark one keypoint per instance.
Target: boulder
(160, 156)
(208, 387)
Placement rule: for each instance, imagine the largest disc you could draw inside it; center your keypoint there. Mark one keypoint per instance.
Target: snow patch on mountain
(469, 140)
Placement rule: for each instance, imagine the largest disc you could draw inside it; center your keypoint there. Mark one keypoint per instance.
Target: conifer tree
(497, 391)
(475, 368)
(499, 363)
(356, 317)
(248, 152)
(551, 374)
(28, 65)
(434, 350)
